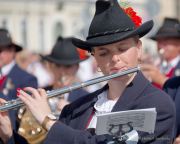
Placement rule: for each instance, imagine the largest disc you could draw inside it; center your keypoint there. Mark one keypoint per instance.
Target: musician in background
(113, 40)
(64, 63)
(168, 43)
(172, 87)
(12, 76)
(33, 64)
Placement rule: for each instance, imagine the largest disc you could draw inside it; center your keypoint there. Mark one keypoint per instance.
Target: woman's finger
(34, 92)
(24, 99)
(42, 93)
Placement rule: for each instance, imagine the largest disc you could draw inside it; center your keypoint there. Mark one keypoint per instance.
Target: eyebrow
(101, 49)
(125, 44)
(122, 44)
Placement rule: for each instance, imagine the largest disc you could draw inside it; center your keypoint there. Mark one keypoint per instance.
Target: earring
(98, 69)
(140, 61)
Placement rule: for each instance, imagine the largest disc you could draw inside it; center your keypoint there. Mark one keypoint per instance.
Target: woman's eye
(122, 49)
(103, 54)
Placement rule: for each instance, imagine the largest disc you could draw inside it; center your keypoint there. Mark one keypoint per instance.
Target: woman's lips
(116, 70)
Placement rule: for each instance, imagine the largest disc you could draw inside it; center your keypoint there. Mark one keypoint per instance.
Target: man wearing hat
(172, 87)
(12, 76)
(113, 40)
(64, 63)
(168, 43)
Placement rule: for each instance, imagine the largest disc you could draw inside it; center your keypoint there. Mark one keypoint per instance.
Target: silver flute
(53, 93)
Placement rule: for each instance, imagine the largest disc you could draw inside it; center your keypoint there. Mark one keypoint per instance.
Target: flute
(53, 93)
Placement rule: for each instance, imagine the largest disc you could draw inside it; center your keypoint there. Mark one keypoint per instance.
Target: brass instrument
(30, 128)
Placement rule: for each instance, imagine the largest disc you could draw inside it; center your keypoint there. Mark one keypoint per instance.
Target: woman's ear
(92, 51)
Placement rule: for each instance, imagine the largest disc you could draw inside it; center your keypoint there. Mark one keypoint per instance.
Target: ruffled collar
(103, 104)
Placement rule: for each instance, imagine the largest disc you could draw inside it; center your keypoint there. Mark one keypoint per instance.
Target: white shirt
(7, 68)
(166, 67)
(39, 71)
(103, 105)
(175, 61)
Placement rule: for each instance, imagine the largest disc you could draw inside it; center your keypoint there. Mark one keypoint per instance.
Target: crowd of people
(114, 42)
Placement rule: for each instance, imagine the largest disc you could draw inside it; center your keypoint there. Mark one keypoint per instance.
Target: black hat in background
(111, 24)
(64, 53)
(6, 40)
(169, 29)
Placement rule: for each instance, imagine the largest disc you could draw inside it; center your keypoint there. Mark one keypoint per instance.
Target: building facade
(36, 24)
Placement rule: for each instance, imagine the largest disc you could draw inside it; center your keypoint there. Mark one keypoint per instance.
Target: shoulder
(20, 72)
(22, 78)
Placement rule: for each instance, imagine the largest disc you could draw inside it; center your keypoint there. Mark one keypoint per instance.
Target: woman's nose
(115, 58)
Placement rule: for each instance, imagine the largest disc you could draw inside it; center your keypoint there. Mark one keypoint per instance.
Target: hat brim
(17, 47)
(160, 36)
(61, 62)
(111, 38)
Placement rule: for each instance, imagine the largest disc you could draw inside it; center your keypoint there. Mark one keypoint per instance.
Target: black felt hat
(6, 40)
(169, 29)
(64, 53)
(111, 24)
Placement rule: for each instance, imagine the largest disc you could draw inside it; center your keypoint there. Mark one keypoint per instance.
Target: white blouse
(103, 105)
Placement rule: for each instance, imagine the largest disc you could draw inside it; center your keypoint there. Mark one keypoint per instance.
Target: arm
(5, 125)
(7, 135)
(153, 74)
(59, 132)
(62, 133)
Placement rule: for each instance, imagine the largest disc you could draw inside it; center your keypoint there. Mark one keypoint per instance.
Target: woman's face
(118, 56)
(62, 72)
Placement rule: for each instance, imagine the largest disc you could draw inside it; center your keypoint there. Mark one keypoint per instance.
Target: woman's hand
(153, 74)
(5, 125)
(37, 102)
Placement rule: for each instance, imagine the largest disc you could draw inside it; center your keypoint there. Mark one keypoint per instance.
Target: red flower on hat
(133, 15)
(82, 54)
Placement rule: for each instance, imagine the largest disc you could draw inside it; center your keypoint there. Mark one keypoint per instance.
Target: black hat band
(109, 32)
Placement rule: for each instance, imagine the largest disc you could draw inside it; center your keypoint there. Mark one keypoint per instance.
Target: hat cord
(110, 32)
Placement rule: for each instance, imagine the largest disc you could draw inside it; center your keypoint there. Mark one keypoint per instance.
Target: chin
(122, 78)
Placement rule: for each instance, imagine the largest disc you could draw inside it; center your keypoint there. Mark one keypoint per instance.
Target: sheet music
(119, 123)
